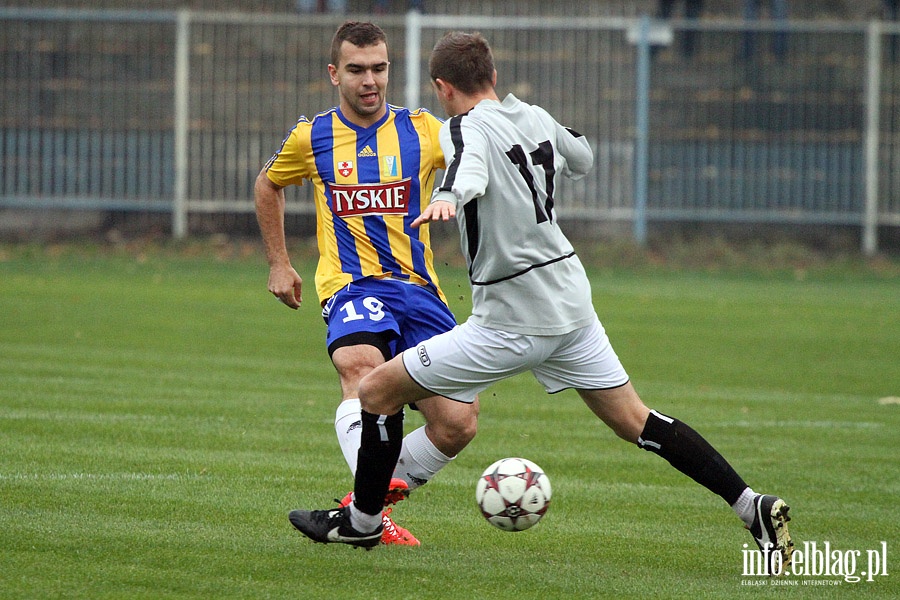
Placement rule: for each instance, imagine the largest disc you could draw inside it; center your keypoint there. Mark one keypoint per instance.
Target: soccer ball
(513, 494)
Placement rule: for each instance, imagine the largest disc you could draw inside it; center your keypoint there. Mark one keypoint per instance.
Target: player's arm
(466, 153)
(576, 150)
(466, 175)
(284, 282)
(571, 145)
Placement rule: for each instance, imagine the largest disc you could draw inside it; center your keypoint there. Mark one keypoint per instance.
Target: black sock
(688, 452)
(382, 438)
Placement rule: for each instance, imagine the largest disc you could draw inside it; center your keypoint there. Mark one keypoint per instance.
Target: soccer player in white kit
(532, 307)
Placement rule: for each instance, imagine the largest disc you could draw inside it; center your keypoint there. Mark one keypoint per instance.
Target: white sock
(348, 426)
(744, 506)
(419, 459)
(363, 522)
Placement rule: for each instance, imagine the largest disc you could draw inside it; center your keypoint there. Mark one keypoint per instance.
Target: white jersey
(524, 273)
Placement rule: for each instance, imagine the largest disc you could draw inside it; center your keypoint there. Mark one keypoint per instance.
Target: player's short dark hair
(463, 60)
(360, 34)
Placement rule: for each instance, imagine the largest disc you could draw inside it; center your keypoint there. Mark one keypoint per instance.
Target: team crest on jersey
(370, 198)
(367, 151)
(389, 166)
(345, 168)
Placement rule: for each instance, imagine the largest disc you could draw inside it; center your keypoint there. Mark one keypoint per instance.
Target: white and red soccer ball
(513, 494)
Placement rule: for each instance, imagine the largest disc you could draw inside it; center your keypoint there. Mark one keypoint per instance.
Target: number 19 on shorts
(368, 307)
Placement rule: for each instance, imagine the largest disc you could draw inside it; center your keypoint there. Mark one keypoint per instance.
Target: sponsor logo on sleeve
(423, 356)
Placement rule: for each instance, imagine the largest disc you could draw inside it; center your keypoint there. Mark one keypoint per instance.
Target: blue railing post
(413, 64)
(642, 131)
(872, 139)
(180, 133)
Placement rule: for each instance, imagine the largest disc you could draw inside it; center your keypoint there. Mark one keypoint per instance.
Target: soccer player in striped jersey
(506, 157)
(373, 166)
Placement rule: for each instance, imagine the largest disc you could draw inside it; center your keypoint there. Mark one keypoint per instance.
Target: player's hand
(440, 210)
(285, 283)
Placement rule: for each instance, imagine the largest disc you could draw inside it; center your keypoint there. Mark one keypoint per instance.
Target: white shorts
(466, 360)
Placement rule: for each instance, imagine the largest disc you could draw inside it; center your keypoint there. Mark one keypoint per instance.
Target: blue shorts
(399, 314)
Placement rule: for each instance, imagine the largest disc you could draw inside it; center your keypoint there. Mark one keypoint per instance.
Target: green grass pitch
(160, 415)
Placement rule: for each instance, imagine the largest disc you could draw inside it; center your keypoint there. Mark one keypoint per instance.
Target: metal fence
(690, 120)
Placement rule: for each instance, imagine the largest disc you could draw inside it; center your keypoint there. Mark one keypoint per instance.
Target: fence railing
(795, 122)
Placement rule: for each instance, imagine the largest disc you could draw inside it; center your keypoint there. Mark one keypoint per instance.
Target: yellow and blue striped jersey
(370, 184)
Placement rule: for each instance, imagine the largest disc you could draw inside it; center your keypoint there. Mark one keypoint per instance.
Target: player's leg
(362, 334)
(383, 394)
(452, 364)
(352, 363)
(449, 427)
(623, 411)
(765, 516)
(362, 522)
(352, 359)
(587, 362)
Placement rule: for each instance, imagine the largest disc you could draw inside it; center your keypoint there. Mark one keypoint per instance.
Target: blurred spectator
(692, 10)
(892, 14)
(778, 11)
(382, 7)
(321, 6)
